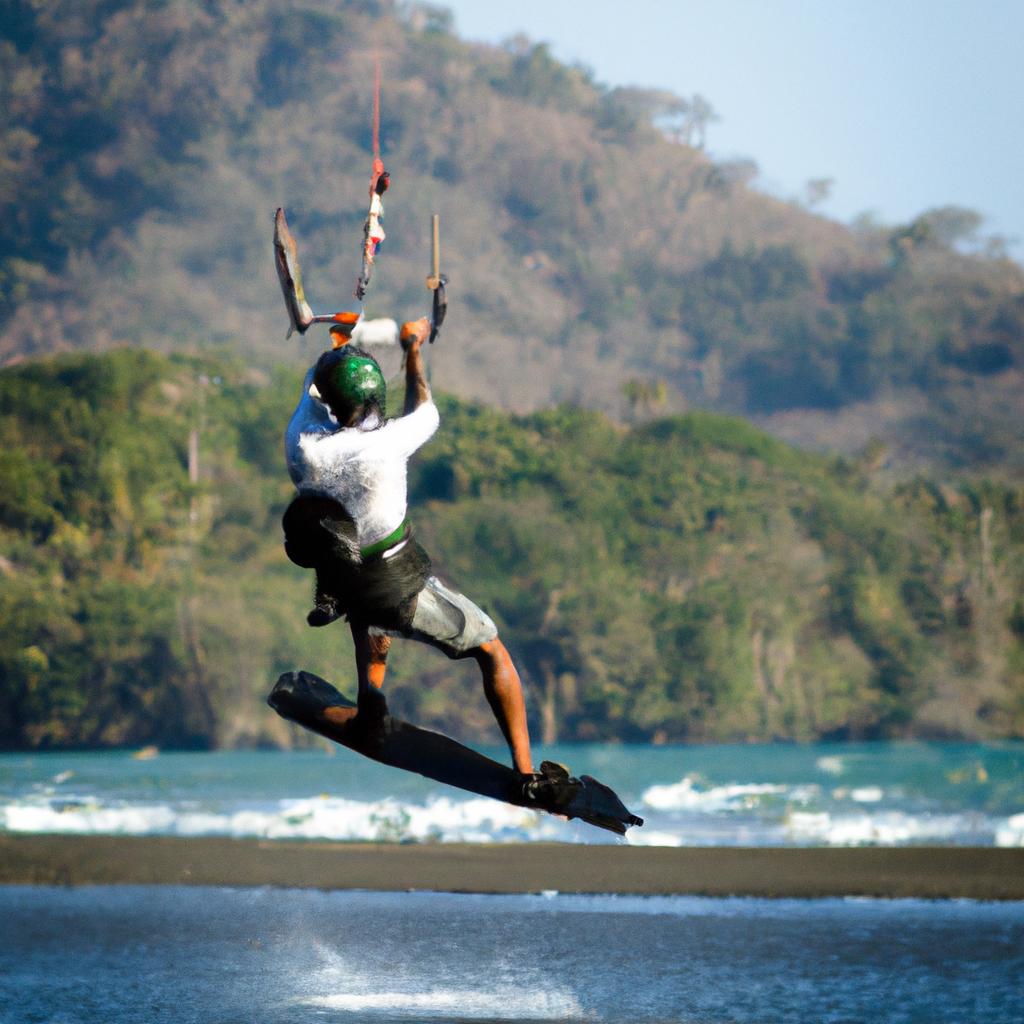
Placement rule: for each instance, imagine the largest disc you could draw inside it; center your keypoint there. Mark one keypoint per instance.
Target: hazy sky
(907, 104)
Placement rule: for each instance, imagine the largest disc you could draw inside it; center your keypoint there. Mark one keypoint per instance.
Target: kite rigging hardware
(436, 281)
(300, 315)
(289, 273)
(373, 231)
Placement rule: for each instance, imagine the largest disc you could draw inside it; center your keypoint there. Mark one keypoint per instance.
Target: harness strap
(391, 540)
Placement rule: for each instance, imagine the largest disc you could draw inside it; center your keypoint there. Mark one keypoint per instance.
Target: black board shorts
(394, 593)
(447, 620)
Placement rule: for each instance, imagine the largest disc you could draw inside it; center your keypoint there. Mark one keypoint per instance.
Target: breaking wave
(681, 814)
(809, 814)
(684, 795)
(441, 819)
(749, 797)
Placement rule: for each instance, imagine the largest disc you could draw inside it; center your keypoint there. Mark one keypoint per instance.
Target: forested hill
(597, 255)
(687, 579)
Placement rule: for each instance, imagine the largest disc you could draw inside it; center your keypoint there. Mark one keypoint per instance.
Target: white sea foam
(86, 818)
(867, 794)
(883, 828)
(685, 813)
(1011, 831)
(502, 1004)
(441, 819)
(684, 795)
(831, 765)
(688, 813)
(652, 837)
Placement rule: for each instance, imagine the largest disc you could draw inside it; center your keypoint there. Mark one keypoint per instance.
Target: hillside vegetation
(597, 255)
(690, 578)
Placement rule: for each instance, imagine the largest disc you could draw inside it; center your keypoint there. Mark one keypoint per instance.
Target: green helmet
(349, 381)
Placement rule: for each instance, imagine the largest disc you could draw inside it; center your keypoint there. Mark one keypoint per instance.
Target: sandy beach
(927, 872)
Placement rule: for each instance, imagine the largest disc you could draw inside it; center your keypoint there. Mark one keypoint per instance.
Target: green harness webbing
(380, 546)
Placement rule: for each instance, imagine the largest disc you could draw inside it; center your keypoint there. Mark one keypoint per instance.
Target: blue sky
(906, 104)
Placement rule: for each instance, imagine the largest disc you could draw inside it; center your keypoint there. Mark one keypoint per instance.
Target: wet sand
(929, 872)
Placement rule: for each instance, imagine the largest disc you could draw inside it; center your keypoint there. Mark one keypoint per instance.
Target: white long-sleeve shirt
(363, 470)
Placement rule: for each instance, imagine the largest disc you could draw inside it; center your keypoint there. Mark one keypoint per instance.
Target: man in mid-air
(349, 523)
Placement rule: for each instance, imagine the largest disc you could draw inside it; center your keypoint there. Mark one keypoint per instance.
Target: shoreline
(928, 872)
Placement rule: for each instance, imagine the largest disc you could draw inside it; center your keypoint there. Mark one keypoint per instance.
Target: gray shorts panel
(447, 620)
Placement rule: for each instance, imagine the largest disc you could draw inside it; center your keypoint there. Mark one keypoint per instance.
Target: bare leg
(371, 666)
(377, 664)
(505, 695)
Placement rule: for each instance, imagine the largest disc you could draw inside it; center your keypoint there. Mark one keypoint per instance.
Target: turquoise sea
(872, 793)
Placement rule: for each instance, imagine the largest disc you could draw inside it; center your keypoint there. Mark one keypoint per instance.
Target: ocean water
(768, 795)
(120, 955)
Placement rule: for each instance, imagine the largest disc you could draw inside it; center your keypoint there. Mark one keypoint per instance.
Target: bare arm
(417, 391)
